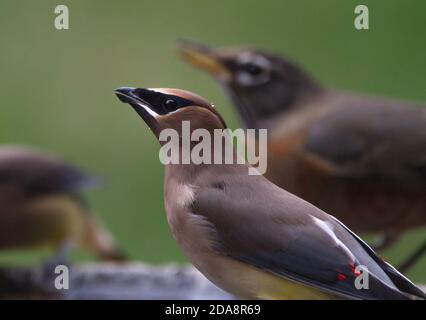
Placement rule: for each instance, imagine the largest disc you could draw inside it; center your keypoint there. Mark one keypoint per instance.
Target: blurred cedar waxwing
(360, 158)
(247, 235)
(41, 205)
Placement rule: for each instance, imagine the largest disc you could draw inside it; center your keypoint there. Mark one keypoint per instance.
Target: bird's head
(168, 108)
(260, 83)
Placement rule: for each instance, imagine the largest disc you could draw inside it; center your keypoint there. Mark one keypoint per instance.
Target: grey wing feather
(253, 229)
(372, 138)
(401, 282)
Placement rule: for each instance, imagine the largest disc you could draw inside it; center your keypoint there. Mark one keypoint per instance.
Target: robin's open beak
(203, 57)
(135, 97)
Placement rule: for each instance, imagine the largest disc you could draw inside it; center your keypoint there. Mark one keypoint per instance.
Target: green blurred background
(57, 86)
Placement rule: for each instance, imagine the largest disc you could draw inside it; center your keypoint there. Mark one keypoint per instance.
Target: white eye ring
(244, 78)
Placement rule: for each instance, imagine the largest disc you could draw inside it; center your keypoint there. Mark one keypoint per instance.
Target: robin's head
(168, 108)
(261, 84)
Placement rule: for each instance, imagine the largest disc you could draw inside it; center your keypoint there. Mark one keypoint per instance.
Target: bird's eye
(253, 69)
(170, 104)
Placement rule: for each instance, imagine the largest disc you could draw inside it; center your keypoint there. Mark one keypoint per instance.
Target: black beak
(134, 97)
(125, 94)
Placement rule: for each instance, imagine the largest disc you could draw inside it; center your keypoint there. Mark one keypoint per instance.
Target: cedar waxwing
(361, 159)
(247, 235)
(41, 205)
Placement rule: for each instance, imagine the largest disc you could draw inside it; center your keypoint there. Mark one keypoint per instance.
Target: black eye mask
(161, 103)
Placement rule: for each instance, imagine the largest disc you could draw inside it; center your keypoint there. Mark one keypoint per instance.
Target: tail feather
(99, 240)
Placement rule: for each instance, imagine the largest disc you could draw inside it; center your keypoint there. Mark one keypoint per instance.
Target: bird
(42, 206)
(248, 236)
(359, 158)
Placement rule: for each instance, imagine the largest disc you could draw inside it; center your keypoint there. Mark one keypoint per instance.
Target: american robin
(41, 205)
(247, 235)
(359, 158)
